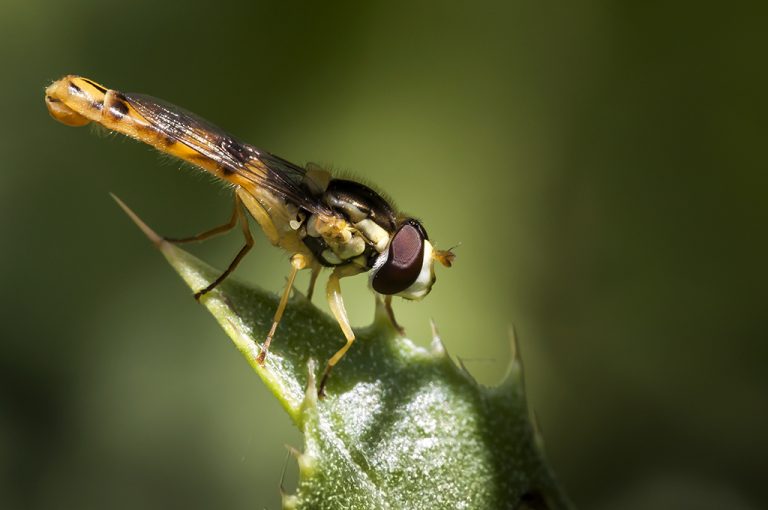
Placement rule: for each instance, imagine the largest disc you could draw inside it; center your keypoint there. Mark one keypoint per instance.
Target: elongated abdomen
(77, 101)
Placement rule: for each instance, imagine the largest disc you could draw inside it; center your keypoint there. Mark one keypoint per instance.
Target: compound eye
(404, 260)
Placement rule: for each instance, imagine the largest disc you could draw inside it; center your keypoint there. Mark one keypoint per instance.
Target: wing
(211, 146)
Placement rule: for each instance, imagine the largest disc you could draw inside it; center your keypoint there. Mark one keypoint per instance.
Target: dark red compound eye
(404, 261)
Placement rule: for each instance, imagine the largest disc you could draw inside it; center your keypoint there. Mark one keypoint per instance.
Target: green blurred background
(603, 166)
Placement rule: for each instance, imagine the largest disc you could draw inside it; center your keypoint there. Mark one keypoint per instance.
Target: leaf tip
(151, 234)
(514, 371)
(538, 436)
(465, 371)
(437, 347)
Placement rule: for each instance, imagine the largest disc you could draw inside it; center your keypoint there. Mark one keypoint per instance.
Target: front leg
(391, 315)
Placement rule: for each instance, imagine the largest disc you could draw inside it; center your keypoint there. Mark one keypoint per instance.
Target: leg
(248, 244)
(298, 262)
(336, 303)
(229, 225)
(391, 315)
(312, 279)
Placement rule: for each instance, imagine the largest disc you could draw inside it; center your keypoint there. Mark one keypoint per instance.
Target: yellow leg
(312, 279)
(229, 225)
(248, 244)
(336, 303)
(391, 314)
(298, 262)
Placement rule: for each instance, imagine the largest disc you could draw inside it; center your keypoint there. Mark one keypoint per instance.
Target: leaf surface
(401, 426)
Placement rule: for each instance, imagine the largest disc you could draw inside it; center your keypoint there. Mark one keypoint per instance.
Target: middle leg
(298, 262)
(336, 303)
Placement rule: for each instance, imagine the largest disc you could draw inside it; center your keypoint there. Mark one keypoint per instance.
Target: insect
(321, 221)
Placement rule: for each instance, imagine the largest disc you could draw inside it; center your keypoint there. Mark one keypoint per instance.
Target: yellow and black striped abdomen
(77, 101)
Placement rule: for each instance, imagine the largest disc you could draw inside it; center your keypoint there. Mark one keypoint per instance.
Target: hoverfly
(321, 221)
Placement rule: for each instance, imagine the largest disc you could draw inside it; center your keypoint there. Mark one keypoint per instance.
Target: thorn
(292, 451)
(535, 422)
(435, 332)
(311, 395)
(151, 234)
(285, 467)
(514, 372)
(437, 346)
(538, 436)
(514, 344)
(463, 366)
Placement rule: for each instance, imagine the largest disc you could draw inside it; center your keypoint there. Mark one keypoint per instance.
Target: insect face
(406, 268)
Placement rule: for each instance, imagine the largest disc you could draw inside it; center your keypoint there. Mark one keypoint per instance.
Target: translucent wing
(216, 146)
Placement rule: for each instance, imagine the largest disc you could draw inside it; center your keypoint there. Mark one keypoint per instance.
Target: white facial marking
(426, 278)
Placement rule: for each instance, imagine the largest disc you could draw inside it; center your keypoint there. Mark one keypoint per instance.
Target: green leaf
(401, 426)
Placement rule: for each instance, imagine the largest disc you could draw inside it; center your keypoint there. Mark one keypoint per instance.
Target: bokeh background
(602, 164)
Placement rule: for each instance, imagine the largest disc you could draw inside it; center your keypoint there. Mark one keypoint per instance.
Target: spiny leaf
(401, 426)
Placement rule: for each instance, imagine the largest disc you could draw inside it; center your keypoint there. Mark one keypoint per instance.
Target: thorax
(357, 230)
